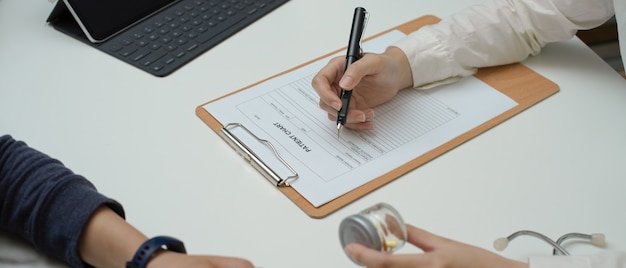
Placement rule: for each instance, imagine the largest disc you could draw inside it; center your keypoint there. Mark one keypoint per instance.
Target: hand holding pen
(375, 78)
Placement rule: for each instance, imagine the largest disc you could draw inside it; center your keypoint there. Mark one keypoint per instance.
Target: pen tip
(339, 128)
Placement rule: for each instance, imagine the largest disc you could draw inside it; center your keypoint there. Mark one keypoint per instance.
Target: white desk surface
(558, 167)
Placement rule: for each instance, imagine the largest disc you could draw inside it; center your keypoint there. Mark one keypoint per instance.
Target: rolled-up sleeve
(495, 33)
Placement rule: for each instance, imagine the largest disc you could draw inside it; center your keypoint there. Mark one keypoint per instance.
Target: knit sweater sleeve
(44, 202)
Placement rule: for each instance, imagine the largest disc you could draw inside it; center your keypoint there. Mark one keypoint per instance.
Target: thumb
(356, 71)
(363, 255)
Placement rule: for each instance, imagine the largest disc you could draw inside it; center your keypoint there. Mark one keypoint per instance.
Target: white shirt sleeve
(603, 259)
(495, 33)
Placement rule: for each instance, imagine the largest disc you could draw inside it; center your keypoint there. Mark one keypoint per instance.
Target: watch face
(101, 19)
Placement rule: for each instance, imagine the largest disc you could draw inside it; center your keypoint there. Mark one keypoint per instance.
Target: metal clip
(254, 160)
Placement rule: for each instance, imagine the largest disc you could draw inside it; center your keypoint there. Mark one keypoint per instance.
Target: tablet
(102, 19)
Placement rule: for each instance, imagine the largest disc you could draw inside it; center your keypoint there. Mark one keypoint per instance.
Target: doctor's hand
(439, 252)
(375, 79)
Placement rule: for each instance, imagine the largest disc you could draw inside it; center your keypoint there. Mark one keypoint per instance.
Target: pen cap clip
(356, 33)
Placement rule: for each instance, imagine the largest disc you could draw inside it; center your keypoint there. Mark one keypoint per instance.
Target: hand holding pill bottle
(379, 227)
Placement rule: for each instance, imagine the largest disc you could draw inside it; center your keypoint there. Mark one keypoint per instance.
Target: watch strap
(148, 248)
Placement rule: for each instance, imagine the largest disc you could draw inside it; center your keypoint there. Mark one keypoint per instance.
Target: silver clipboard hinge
(254, 160)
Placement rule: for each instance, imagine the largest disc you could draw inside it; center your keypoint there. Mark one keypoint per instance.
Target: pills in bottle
(379, 227)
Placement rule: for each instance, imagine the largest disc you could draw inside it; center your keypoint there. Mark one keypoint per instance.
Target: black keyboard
(170, 39)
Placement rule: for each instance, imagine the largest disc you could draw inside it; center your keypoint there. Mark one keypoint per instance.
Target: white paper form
(285, 111)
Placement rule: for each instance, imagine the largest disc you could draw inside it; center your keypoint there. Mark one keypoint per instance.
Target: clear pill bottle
(379, 227)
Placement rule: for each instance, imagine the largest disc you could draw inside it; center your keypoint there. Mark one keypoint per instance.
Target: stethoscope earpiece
(596, 239)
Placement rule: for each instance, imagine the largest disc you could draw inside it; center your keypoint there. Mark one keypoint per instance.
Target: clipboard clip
(254, 160)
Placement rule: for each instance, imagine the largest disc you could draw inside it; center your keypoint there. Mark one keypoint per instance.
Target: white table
(555, 168)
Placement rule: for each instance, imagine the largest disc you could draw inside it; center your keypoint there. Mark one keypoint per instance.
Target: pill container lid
(358, 229)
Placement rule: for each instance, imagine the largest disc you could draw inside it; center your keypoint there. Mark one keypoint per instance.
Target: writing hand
(375, 79)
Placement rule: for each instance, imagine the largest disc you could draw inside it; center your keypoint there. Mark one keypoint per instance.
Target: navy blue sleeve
(44, 202)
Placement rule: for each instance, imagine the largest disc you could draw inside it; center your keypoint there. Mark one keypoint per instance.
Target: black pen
(354, 54)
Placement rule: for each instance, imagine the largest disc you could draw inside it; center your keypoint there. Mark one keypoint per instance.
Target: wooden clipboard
(521, 84)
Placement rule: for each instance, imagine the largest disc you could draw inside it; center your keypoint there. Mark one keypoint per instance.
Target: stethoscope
(596, 239)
